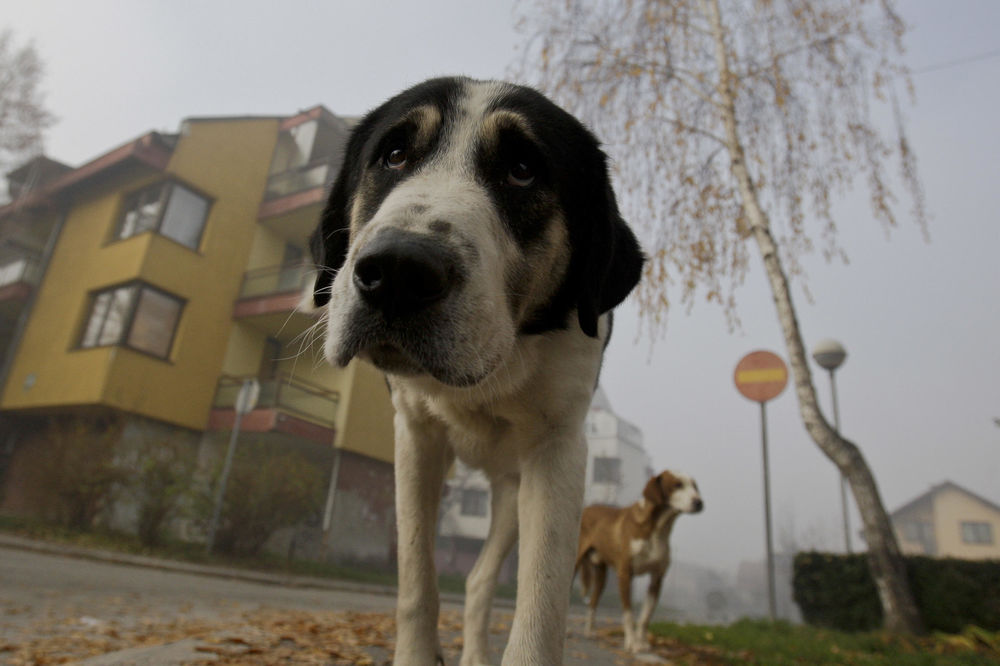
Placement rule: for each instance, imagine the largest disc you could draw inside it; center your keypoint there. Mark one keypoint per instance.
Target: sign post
(246, 400)
(761, 376)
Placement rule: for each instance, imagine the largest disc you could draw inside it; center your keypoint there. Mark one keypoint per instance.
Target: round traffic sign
(761, 376)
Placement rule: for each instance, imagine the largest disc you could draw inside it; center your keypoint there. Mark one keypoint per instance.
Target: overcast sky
(918, 391)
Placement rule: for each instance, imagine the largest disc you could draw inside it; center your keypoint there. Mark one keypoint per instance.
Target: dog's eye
(520, 175)
(395, 158)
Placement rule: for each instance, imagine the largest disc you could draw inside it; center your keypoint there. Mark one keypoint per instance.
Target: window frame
(129, 318)
(976, 532)
(167, 186)
(603, 460)
(482, 502)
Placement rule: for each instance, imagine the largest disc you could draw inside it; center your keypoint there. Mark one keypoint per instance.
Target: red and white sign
(761, 376)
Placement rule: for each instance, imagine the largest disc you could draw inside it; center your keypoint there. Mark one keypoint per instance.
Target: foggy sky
(919, 319)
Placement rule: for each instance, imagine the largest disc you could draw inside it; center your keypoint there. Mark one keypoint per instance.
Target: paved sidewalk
(580, 651)
(164, 564)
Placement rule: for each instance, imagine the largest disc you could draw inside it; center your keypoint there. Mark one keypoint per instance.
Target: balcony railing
(298, 179)
(274, 280)
(24, 269)
(286, 393)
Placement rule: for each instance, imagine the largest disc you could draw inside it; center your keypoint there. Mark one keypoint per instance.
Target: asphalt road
(113, 612)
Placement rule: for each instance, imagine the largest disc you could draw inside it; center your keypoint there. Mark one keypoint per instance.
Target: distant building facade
(144, 286)
(949, 521)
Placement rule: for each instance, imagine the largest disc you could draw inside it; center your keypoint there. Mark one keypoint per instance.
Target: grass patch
(780, 643)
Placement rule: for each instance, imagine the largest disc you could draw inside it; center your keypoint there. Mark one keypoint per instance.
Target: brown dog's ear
(653, 492)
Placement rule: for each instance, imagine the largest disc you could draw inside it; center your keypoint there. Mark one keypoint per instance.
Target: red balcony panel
(291, 202)
(271, 420)
(265, 305)
(18, 291)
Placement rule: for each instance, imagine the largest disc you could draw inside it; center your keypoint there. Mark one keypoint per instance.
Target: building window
(978, 533)
(474, 502)
(133, 315)
(913, 530)
(168, 208)
(607, 470)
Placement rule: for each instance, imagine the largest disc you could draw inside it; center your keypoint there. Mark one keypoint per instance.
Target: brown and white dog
(471, 248)
(633, 540)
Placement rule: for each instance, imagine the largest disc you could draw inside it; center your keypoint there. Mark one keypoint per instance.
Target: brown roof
(152, 149)
(934, 490)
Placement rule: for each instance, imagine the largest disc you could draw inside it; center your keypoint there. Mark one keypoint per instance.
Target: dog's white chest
(650, 554)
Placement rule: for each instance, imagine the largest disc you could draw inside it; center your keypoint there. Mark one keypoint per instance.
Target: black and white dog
(472, 249)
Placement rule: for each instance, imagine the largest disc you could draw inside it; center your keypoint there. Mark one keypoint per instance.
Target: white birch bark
(900, 613)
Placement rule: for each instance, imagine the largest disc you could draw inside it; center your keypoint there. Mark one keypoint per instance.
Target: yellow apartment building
(948, 521)
(147, 284)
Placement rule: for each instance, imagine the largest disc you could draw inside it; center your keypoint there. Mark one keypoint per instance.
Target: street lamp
(830, 354)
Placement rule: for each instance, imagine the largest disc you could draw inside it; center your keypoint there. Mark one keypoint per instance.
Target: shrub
(955, 593)
(162, 478)
(837, 591)
(268, 488)
(71, 469)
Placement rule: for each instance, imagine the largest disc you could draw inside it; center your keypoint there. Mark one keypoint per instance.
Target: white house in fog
(617, 470)
(618, 465)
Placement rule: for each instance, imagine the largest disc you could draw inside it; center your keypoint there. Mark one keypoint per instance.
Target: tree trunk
(885, 561)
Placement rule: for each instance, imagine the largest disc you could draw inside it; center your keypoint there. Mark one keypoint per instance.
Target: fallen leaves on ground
(272, 635)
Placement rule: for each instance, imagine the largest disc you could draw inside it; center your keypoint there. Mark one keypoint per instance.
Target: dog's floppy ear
(329, 241)
(612, 261)
(653, 492)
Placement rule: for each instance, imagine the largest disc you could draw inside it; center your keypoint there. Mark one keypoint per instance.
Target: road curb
(232, 573)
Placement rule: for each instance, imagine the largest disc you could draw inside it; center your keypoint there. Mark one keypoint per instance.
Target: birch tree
(736, 124)
(23, 116)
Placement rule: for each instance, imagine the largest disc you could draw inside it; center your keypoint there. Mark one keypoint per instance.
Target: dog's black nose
(400, 272)
(698, 505)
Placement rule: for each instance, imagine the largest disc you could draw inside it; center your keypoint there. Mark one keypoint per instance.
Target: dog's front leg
(624, 574)
(482, 581)
(641, 642)
(422, 459)
(549, 504)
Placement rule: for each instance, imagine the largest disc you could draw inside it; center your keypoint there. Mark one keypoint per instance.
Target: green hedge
(837, 591)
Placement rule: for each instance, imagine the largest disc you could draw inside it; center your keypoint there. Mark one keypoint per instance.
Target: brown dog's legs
(598, 574)
(624, 573)
(648, 606)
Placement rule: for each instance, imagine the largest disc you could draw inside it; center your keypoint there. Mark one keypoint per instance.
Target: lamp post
(246, 400)
(830, 354)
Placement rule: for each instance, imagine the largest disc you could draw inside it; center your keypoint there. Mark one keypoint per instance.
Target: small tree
(743, 121)
(71, 469)
(23, 116)
(161, 477)
(268, 488)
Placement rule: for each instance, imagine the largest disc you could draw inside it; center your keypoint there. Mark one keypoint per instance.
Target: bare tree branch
(743, 121)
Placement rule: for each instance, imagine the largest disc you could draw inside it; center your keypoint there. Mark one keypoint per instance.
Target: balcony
(299, 179)
(294, 199)
(18, 277)
(268, 299)
(309, 148)
(287, 404)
